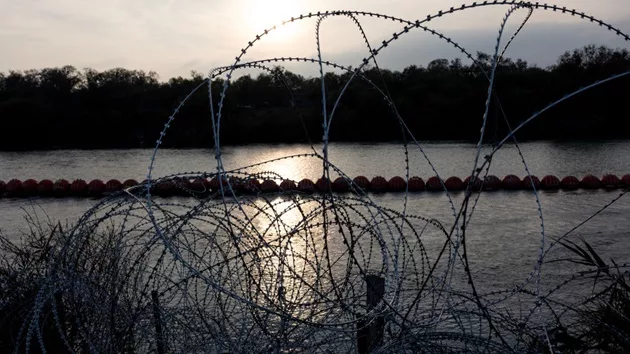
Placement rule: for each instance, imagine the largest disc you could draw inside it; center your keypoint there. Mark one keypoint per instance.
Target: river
(505, 223)
(504, 234)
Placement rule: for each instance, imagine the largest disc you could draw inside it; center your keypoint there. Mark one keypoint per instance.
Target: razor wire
(234, 270)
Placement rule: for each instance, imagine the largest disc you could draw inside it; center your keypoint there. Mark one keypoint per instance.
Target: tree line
(65, 107)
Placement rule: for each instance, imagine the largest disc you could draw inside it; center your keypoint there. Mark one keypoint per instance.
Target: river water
(387, 159)
(505, 230)
(449, 158)
(504, 234)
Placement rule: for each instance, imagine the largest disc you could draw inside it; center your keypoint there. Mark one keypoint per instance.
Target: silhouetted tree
(119, 108)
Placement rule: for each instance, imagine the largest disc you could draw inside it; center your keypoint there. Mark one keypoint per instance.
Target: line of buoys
(183, 186)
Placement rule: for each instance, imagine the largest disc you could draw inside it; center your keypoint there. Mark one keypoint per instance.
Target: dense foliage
(119, 108)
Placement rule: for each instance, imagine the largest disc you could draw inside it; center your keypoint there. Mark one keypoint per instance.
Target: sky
(173, 38)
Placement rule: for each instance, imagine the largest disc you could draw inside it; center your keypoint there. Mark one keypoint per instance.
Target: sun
(262, 15)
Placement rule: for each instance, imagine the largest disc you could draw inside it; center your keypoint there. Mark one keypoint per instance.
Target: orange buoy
(306, 185)
(475, 185)
(78, 187)
(237, 183)
(378, 184)
(361, 182)
(29, 187)
(269, 186)
(215, 183)
(287, 185)
(252, 185)
(415, 184)
(570, 182)
(96, 187)
(181, 182)
(199, 185)
(181, 186)
(397, 184)
(323, 184)
(590, 182)
(610, 181)
(531, 182)
(113, 185)
(151, 184)
(511, 182)
(61, 188)
(454, 184)
(45, 187)
(14, 188)
(128, 183)
(550, 182)
(434, 184)
(491, 183)
(341, 184)
(166, 188)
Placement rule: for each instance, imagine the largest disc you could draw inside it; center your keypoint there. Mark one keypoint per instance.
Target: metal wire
(236, 271)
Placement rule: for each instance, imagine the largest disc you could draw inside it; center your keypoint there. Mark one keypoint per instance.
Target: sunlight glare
(266, 14)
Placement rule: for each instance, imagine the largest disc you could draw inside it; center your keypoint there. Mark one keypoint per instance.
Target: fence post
(158, 323)
(370, 337)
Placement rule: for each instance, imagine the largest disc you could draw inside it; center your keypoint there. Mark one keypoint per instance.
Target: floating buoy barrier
(550, 182)
(570, 183)
(29, 187)
(79, 187)
(14, 188)
(363, 183)
(269, 186)
(288, 185)
(341, 185)
(531, 182)
(251, 185)
(215, 184)
(113, 185)
(61, 188)
(199, 185)
(491, 183)
(434, 184)
(415, 184)
(590, 182)
(397, 184)
(130, 183)
(378, 184)
(454, 184)
(45, 187)
(511, 182)
(96, 187)
(306, 185)
(322, 184)
(610, 181)
(474, 183)
(238, 184)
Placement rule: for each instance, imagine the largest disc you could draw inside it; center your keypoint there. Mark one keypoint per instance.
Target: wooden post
(370, 337)
(375, 290)
(159, 335)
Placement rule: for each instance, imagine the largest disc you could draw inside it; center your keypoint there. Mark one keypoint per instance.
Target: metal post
(158, 323)
(370, 337)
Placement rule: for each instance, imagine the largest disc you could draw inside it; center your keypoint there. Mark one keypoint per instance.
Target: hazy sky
(175, 37)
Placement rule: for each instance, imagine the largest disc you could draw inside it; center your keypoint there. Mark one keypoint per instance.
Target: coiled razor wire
(290, 271)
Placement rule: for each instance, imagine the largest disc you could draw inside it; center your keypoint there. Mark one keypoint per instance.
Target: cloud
(174, 37)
